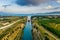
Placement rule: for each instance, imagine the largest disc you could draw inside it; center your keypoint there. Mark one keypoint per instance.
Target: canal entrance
(27, 35)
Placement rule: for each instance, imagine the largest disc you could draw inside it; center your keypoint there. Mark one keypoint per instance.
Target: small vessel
(28, 20)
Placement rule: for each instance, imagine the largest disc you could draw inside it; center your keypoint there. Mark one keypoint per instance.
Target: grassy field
(14, 32)
(51, 24)
(5, 20)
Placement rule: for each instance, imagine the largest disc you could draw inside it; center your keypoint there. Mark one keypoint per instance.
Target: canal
(27, 35)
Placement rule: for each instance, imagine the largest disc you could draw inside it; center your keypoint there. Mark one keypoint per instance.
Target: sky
(29, 6)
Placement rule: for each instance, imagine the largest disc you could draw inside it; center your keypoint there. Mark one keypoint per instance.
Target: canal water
(27, 35)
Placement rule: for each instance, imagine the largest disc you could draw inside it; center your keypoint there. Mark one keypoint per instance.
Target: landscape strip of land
(14, 30)
(42, 27)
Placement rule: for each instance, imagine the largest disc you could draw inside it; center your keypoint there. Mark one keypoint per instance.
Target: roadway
(7, 26)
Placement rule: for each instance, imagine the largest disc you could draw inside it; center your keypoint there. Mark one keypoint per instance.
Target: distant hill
(4, 14)
(54, 13)
(48, 13)
(12, 14)
(51, 13)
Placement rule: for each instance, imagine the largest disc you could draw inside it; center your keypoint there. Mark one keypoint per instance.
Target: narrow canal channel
(27, 35)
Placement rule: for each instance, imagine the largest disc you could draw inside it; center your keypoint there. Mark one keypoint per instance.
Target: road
(4, 27)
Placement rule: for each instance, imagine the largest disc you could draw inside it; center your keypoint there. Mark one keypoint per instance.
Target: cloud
(28, 6)
(58, 1)
(51, 8)
(32, 2)
(7, 2)
(48, 7)
(1, 8)
(28, 9)
(20, 9)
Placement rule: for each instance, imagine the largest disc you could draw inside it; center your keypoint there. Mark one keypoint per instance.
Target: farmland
(49, 26)
(13, 30)
(5, 20)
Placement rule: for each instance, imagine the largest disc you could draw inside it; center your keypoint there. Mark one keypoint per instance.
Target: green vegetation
(13, 32)
(5, 20)
(50, 23)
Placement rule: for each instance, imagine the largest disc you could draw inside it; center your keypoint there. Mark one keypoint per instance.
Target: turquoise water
(27, 31)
